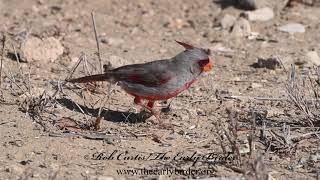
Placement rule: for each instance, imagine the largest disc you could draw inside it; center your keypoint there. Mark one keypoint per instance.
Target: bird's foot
(159, 120)
(155, 113)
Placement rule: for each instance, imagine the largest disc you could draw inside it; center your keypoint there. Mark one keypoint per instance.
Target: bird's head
(194, 55)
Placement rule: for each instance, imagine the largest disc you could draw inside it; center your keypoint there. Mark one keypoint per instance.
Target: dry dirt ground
(252, 114)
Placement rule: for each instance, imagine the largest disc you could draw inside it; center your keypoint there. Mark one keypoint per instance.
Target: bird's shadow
(108, 115)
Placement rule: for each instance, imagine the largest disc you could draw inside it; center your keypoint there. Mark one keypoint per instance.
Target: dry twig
(97, 40)
(297, 96)
(2, 56)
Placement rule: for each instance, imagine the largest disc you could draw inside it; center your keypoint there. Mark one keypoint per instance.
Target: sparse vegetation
(264, 112)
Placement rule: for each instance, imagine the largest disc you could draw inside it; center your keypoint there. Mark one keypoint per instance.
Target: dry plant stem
(97, 41)
(2, 56)
(296, 96)
(236, 169)
(278, 137)
(29, 79)
(17, 57)
(259, 168)
(224, 150)
(266, 98)
(280, 60)
(103, 102)
(76, 65)
(20, 70)
(126, 118)
(106, 97)
(86, 64)
(233, 136)
(97, 123)
(305, 135)
(252, 135)
(255, 98)
(69, 76)
(84, 114)
(13, 80)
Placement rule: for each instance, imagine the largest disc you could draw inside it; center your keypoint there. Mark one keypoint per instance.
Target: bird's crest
(185, 45)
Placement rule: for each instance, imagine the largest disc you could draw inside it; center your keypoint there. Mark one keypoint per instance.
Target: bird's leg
(157, 115)
(149, 106)
(153, 111)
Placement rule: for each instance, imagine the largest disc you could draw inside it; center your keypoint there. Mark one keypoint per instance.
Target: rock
(184, 117)
(256, 85)
(227, 21)
(163, 51)
(271, 113)
(249, 4)
(263, 14)
(276, 5)
(292, 28)
(201, 112)
(44, 50)
(305, 2)
(314, 157)
(253, 35)
(313, 57)
(241, 28)
(269, 63)
(237, 78)
(25, 162)
(179, 23)
(34, 92)
(219, 47)
(172, 136)
(112, 41)
(270, 177)
(244, 147)
(17, 170)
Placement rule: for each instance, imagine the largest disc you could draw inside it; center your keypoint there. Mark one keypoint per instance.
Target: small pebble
(292, 28)
(263, 14)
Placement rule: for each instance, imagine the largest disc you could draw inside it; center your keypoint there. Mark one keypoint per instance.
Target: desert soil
(47, 126)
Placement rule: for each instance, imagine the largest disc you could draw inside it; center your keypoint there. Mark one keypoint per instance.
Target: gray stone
(263, 14)
(292, 28)
(44, 50)
(241, 28)
(112, 41)
(227, 21)
(313, 57)
(276, 5)
(251, 4)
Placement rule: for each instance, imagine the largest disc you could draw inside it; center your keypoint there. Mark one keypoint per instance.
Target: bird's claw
(159, 121)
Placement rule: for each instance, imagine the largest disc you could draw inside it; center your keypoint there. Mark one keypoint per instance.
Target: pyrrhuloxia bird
(157, 80)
